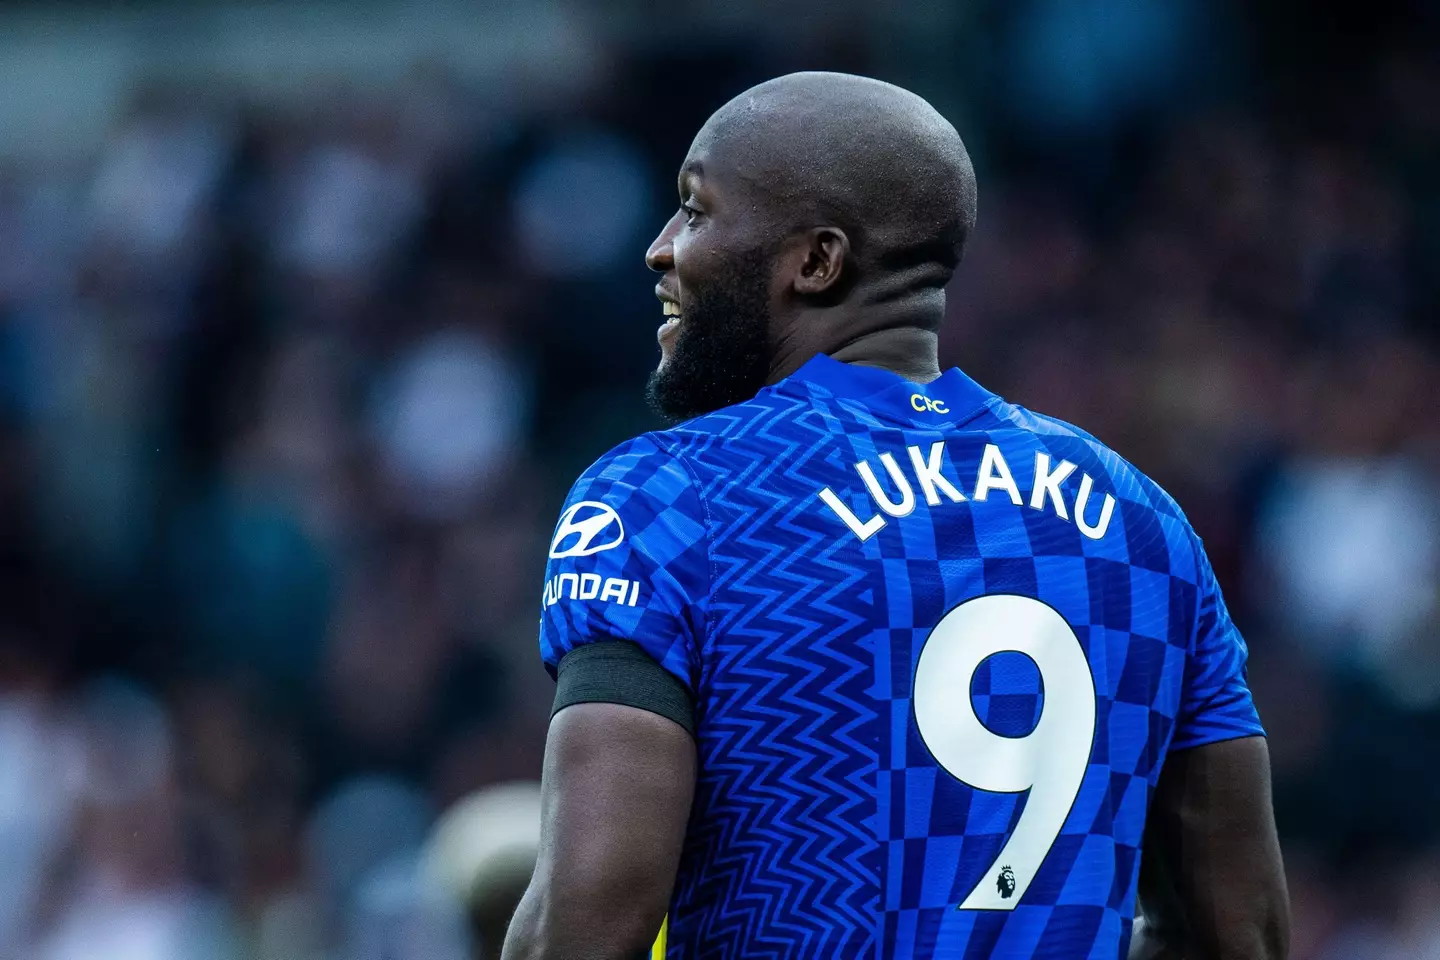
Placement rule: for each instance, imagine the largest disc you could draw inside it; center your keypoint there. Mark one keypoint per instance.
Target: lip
(663, 294)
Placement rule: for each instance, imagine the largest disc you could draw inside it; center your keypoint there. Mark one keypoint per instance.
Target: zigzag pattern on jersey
(786, 800)
(822, 826)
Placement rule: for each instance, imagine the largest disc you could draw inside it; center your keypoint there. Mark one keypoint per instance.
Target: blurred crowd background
(310, 313)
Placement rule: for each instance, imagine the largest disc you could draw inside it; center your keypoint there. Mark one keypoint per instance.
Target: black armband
(618, 671)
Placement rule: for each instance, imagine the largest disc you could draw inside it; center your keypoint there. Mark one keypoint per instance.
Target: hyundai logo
(587, 527)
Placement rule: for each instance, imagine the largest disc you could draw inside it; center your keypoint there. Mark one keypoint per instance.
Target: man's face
(717, 266)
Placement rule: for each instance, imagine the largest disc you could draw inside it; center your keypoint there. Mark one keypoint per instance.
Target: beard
(722, 350)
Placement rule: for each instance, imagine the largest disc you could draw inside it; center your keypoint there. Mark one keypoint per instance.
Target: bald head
(819, 213)
(866, 156)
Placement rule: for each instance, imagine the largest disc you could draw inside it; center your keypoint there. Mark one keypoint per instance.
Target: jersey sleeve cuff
(1201, 738)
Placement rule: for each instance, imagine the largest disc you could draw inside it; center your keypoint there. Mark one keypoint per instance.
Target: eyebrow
(691, 168)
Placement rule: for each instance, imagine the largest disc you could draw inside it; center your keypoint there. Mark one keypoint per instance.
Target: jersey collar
(951, 398)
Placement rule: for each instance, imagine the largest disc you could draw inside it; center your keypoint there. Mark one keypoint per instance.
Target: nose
(661, 255)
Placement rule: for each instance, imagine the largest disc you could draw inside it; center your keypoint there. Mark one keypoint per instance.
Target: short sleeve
(1216, 703)
(629, 561)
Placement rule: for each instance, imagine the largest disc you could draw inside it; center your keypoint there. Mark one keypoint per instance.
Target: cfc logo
(923, 404)
(587, 527)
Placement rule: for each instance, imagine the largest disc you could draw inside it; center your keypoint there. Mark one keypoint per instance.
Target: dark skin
(852, 276)
(818, 214)
(1212, 884)
(617, 787)
(718, 215)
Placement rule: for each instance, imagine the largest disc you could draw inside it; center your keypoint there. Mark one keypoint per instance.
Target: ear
(825, 251)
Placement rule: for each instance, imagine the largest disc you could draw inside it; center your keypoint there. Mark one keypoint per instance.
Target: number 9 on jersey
(1050, 762)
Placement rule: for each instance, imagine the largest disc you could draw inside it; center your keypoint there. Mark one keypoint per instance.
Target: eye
(691, 212)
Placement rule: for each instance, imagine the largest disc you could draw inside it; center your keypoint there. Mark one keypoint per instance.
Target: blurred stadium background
(310, 312)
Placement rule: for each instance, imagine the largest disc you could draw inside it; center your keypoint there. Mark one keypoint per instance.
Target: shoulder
(642, 486)
(668, 458)
(1130, 481)
(674, 454)
(635, 462)
(1151, 515)
(763, 413)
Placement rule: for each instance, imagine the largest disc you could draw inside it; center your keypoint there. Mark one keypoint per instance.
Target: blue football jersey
(939, 647)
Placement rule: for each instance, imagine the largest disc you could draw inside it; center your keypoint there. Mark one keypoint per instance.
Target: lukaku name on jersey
(993, 474)
(862, 660)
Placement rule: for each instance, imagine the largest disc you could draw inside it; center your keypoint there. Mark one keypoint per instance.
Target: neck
(912, 352)
(885, 339)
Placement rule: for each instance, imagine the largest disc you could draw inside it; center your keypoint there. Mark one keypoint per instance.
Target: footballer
(860, 659)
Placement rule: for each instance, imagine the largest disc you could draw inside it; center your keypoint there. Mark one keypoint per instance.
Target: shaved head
(864, 155)
(819, 213)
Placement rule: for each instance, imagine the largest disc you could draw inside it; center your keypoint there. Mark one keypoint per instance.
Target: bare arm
(616, 794)
(1212, 884)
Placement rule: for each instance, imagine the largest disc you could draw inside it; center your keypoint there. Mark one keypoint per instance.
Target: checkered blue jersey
(939, 647)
